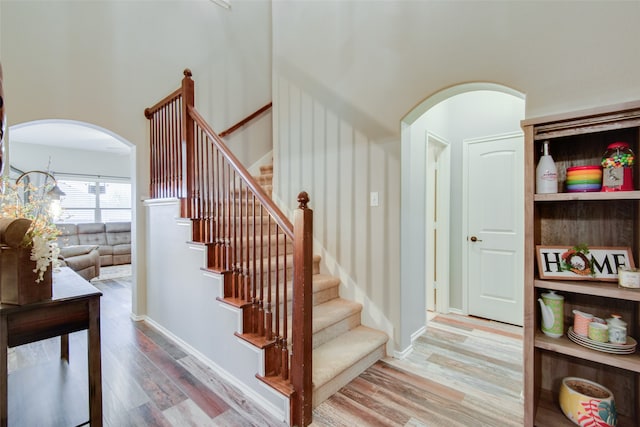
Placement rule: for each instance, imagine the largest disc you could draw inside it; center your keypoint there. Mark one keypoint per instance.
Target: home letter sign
(582, 263)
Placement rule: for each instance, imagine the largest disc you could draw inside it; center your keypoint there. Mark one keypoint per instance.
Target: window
(96, 200)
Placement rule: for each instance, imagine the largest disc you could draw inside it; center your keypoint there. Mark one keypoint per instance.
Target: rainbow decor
(584, 178)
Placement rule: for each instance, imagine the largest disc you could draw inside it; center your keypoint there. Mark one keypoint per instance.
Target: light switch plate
(373, 198)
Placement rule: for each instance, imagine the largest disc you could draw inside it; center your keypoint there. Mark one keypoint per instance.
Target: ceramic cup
(581, 322)
(617, 334)
(598, 332)
(587, 403)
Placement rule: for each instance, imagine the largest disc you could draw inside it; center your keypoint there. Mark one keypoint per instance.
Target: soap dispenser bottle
(546, 172)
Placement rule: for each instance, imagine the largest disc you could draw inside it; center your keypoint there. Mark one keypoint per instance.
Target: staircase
(312, 341)
(342, 347)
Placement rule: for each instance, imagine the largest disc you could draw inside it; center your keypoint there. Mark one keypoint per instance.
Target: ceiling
(67, 135)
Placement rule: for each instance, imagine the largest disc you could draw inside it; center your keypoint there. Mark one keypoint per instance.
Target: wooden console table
(75, 306)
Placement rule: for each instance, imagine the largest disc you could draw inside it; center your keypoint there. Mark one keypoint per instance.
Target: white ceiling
(66, 135)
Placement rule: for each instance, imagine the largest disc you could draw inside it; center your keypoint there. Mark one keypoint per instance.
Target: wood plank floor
(463, 372)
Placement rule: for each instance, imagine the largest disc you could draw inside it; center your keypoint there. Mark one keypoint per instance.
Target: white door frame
(465, 210)
(440, 259)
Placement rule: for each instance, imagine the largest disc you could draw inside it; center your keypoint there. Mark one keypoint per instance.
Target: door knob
(474, 239)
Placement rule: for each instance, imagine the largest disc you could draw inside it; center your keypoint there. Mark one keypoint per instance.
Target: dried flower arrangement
(20, 201)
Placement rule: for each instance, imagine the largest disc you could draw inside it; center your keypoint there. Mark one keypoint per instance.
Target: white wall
(347, 73)
(338, 165)
(384, 58)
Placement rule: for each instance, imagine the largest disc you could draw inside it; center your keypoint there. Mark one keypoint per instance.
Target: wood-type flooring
(463, 372)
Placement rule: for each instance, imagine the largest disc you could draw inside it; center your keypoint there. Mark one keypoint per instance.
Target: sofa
(87, 247)
(83, 259)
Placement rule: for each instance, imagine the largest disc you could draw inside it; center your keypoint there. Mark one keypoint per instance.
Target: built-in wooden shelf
(563, 345)
(596, 195)
(586, 287)
(608, 219)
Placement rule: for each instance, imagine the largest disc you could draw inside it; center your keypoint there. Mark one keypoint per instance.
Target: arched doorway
(74, 150)
(31, 144)
(455, 114)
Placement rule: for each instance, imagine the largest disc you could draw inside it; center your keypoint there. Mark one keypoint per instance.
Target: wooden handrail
(244, 121)
(150, 111)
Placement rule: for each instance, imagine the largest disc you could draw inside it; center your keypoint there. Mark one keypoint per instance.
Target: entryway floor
(463, 371)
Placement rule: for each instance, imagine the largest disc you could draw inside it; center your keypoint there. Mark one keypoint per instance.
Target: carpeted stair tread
(332, 312)
(268, 264)
(325, 288)
(320, 282)
(323, 282)
(331, 319)
(344, 351)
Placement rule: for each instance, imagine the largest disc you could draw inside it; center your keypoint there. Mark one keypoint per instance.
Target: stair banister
(191, 162)
(279, 217)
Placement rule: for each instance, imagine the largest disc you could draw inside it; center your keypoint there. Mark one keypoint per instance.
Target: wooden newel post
(301, 373)
(188, 146)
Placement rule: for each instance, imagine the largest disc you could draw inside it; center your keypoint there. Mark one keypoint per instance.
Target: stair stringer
(182, 303)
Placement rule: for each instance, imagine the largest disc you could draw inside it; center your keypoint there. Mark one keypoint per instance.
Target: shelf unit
(595, 219)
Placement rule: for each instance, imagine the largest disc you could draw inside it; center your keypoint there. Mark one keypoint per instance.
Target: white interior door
(495, 227)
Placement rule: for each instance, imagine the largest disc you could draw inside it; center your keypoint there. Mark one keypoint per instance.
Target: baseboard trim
(404, 353)
(407, 351)
(137, 317)
(418, 333)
